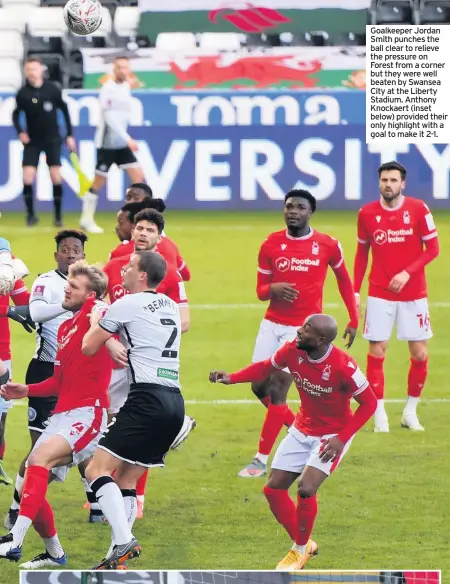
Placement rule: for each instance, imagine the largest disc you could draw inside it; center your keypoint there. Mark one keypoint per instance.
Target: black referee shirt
(40, 105)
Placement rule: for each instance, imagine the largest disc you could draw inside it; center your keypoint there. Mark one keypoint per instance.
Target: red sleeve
(46, 388)
(183, 269)
(20, 295)
(264, 277)
(362, 254)
(361, 391)
(345, 285)
(431, 251)
(254, 372)
(173, 287)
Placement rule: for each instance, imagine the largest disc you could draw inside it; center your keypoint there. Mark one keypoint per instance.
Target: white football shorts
(118, 390)
(272, 336)
(82, 428)
(413, 320)
(298, 450)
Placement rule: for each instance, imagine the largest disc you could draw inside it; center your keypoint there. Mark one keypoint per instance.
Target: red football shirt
(302, 262)
(396, 239)
(20, 296)
(172, 285)
(325, 386)
(166, 247)
(78, 380)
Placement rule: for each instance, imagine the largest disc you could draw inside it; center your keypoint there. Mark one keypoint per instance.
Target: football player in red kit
(327, 379)
(402, 236)
(292, 268)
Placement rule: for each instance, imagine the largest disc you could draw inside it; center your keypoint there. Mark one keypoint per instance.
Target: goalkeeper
(11, 286)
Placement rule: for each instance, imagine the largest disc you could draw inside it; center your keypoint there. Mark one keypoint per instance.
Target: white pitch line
(261, 305)
(253, 402)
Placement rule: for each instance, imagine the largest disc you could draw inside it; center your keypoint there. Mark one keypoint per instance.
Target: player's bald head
(317, 333)
(324, 325)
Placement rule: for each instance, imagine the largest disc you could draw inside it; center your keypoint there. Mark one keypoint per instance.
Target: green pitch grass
(386, 506)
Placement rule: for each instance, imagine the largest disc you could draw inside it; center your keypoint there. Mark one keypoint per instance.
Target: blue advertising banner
(243, 168)
(243, 108)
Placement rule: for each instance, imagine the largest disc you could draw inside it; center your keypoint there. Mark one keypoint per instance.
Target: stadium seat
(255, 40)
(55, 66)
(175, 41)
(434, 12)
(288, 39)
(10, 75)
(394, 12)
(126, 21)
(220, 41)
(11, 18)
(46, 22)
(23, 4)
(11, 45)
(350, 39)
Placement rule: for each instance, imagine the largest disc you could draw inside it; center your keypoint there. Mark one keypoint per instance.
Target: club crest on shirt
(326, 373)
(315, 248)
(39, 291)
(406, 218)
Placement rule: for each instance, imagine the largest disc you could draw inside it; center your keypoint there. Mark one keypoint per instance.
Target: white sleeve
(41, 307)
(117, 315)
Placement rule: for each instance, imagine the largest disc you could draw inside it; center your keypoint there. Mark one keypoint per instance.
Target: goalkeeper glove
(21, 314)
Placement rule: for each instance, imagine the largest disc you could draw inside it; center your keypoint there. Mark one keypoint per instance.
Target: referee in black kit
(40, 99)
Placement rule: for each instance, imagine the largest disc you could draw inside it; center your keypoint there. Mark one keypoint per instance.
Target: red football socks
(44, 522)
(2, 450)
(375, 375)
(140, 487)
(266, 401)
(306, 516)
(274, 421)
(34, 491)
(417, 375)
(283, 508)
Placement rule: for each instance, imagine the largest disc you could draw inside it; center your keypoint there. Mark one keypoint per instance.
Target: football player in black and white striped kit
(114, 144)
(45, 309)
(142, 432)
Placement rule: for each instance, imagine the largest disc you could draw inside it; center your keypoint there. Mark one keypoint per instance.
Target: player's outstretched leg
(5, 479)
(278, 415)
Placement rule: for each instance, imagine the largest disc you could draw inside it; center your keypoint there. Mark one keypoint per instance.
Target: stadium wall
(236, 151)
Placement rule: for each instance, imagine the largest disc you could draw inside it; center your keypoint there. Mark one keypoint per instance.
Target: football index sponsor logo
(391, 235)
(314, 389)
(295, 264)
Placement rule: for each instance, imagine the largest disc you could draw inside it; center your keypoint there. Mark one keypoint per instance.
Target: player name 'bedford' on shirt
(302, 262)
(49, 288)
(396, 237)
(325, 387)
(150, 324)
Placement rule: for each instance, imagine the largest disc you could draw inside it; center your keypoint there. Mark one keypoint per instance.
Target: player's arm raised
(254, 372)
(361, 259)
(346, 291)
(20, 312)
(41, 307)
(429, 236)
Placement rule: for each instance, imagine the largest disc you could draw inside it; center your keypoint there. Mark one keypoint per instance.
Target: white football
(83, 17)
